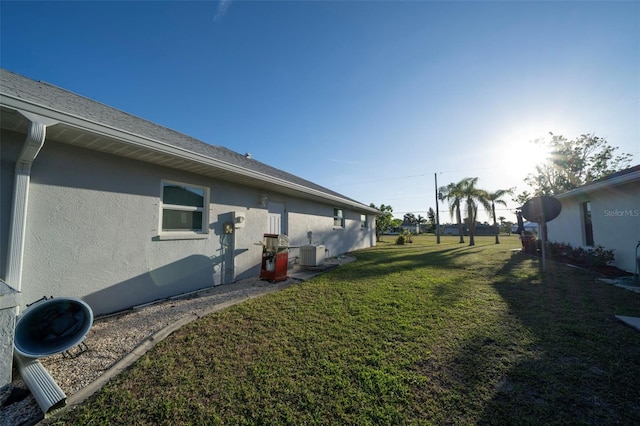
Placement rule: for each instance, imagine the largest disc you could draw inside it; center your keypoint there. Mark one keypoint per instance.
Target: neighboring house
(603, 213)
(485, 229)
(104, 206)
(528, 226)
(481, 229)
(414, 228)
(450, 229)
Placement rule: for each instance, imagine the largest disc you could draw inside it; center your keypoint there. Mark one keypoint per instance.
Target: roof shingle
(55, 98)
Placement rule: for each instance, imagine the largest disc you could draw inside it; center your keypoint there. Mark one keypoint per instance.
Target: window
(184, 208)
(338, 218)
(363, 221)
(588, 227)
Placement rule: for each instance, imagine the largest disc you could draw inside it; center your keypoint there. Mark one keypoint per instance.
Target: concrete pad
(632, 321)
(632, 288)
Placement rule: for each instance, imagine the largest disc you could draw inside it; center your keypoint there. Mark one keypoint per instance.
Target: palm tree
(473, 196)
(453, 194)
(496, 198)
(421, 221)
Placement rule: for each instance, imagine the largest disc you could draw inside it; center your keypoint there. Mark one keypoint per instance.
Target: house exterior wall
(92, 231)
(312, 223)
(451, 230)
(615, 216)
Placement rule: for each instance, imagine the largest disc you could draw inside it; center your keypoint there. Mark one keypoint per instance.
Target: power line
(413, 176)
(379, 180)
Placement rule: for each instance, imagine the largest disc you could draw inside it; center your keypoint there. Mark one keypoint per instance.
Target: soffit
(69, 134)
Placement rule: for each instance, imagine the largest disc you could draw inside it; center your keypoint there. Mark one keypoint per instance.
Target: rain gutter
(44, 389)
(148, 143)
(18, 225)
(603, 184)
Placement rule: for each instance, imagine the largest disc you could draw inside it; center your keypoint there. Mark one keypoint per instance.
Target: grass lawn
(414, 334)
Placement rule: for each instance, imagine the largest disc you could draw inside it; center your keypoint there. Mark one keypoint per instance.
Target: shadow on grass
(470, 336)
(582, 365)
(373, 264)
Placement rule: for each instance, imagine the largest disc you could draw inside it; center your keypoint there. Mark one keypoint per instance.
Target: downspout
(15, 250)
(18, 225)
(42, 386)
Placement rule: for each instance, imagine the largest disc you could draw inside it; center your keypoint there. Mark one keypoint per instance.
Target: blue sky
(369, 99)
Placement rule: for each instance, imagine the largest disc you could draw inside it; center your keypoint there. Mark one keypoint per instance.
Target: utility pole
(435, 175)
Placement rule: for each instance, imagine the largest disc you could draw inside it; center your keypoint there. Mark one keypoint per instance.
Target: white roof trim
(603, 184)
(25, 106)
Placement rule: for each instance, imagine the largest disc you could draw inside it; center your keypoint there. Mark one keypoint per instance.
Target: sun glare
(537, 153)
(524, 153)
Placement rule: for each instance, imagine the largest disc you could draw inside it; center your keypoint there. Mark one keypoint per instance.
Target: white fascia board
(619, 180)
(163, 147)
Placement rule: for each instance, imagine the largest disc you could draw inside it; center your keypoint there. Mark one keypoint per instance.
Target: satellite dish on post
(542, 210)
(545, 208)
(52, 326)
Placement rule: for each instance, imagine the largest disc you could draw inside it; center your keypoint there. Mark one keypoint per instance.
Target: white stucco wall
(615, 214)
(315, 220)
(92, 231)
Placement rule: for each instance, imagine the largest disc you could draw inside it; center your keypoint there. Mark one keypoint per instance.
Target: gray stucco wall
(615, 215)
(316, 220)
(92, 231)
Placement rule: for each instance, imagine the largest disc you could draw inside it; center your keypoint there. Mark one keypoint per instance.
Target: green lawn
(414, 334)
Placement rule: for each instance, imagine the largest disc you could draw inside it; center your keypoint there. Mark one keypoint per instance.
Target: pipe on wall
(44, 389)
(18, 224)
(32, 146)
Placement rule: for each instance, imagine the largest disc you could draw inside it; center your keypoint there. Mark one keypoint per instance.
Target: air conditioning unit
(311, 255)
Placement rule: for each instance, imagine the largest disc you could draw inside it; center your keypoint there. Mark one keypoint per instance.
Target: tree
(522, 198)
(472, 197)
(453, 194)
(506, 227)
(410, 218)
(496, 198)
(431, 220)
(574, 163)
(384, 220)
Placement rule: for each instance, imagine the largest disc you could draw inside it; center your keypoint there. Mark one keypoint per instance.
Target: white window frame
(364, 221)
(338, 214)
(184, 234)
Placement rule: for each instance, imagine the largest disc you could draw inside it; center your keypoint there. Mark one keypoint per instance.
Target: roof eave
(616, 181)
(145, 142)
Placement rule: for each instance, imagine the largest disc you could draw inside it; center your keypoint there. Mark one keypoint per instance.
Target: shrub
(595, 256)
(405, 237)
(599, 256)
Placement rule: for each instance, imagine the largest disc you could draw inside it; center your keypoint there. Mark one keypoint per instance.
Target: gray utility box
(312, 255)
